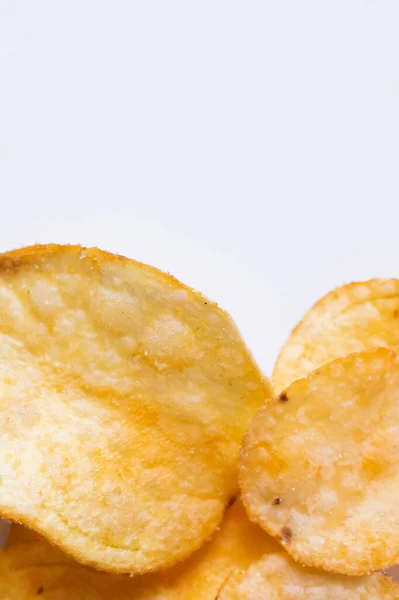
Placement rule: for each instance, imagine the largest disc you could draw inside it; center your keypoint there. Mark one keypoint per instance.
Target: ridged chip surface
(320, 465)
(28, 566)
(355, 317)
(124, 396)
(277, 577)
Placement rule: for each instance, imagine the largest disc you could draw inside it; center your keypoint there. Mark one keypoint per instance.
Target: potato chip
(124, 396)
(277, 577)
(320, 465)
(352, 318)
(28, 567)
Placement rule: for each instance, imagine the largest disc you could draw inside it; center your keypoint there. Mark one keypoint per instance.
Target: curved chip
(124, 396)
(352, 318)
(320, 465)
(30, 566)
(277, 577)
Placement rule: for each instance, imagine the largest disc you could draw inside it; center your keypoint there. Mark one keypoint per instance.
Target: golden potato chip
(124, 396)
(352, 318)
(28, 567)
(277, 577)
(320, 465)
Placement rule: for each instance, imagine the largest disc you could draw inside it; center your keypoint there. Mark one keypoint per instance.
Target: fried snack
(278, 577)
(25, 569)
(320, 465)
(352, 318)
(124, 396)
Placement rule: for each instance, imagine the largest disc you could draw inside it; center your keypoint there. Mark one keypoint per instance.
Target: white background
(249, 148)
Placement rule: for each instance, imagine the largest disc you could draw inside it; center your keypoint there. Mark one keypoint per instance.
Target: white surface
(250, 148)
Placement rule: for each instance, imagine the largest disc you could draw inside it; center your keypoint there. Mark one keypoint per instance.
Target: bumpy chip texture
(355, 317)
(320, 465)
(31, 565)
(124, 396)
(278, 577)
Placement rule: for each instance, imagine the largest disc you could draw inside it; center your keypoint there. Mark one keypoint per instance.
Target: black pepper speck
(287, 534)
